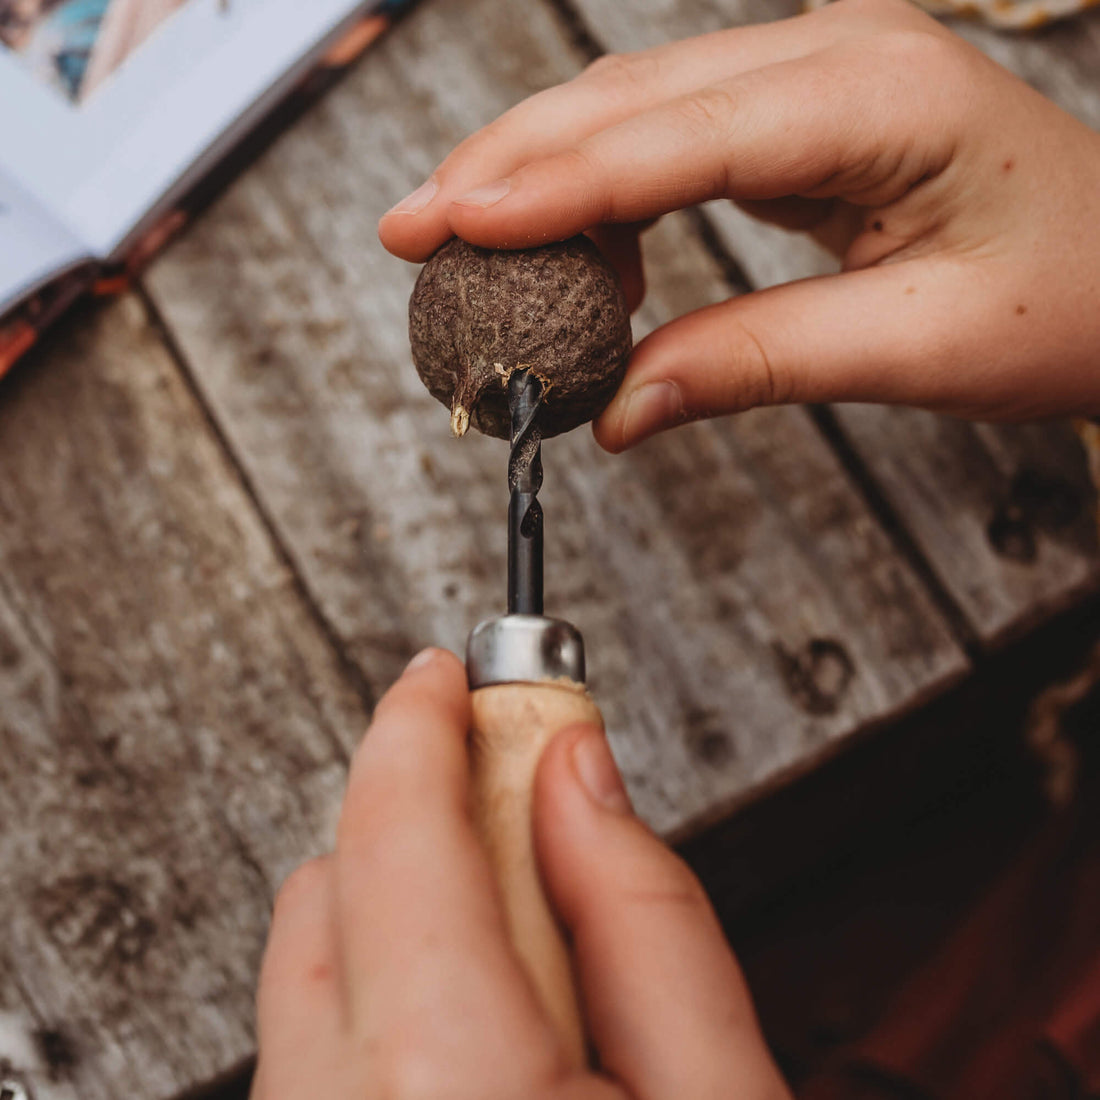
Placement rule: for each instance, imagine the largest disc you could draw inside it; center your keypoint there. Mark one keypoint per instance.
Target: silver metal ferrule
(523, 649)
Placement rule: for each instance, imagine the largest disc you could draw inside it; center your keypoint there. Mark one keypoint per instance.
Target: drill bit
(524, 510)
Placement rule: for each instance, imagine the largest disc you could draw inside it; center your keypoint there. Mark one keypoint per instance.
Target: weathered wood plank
(948, 482)
(744, 613)
(173, 725)
(1019, 541)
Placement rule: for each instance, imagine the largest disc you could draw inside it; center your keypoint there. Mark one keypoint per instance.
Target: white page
(100, 164)
(33, 245)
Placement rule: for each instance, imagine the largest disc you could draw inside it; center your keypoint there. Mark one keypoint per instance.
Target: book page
(108, 103)
(33, 245)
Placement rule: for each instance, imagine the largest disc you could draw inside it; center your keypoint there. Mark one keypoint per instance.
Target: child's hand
(388, 973)
(965, 206)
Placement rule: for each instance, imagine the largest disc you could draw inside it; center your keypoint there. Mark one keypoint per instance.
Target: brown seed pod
(477, 314)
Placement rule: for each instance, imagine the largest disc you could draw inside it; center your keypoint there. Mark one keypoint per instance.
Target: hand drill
(526, 674)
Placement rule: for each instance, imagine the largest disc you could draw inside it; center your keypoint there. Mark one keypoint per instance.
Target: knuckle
(909, 51)
(753, 367)
(674, 885)
(935, 74)
(607, 66)
(581, 161)
(632, 70)
(502, 128)
(709, 110)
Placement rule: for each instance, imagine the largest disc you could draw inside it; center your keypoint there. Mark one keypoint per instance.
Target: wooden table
(229, 513)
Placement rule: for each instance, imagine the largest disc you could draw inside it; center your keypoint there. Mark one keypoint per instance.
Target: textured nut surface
(476, 315)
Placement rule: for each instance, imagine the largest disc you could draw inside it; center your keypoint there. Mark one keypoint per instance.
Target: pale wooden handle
(512, 725)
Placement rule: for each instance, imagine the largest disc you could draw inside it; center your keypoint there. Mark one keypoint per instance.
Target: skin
(966, 211)
(388, 973)
(964, 205)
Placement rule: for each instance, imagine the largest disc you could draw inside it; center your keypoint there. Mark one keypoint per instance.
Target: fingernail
(414, 203)
(598, 774)
(651, 407)
(488, 195)
(422, 659)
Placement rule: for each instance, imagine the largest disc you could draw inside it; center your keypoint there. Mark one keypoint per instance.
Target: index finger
(423, 938)
(845, 122)
(611, 90)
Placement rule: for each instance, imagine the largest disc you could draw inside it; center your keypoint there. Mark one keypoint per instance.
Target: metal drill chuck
(524, 649)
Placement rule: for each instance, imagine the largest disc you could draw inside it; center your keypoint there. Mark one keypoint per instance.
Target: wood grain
(173, 724)
(175, 709)
(948, 483)
(512, 726)
(743, 612)
(1006, 515)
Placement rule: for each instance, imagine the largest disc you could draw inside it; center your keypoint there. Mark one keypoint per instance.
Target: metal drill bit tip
(524, 510)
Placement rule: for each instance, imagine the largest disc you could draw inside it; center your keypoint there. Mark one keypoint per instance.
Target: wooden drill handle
(512, 725)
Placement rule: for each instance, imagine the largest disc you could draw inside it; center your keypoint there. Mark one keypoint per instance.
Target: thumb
(917, 332)
(664, 998)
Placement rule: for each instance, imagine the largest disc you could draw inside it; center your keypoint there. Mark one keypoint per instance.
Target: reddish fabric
(1074, 1029)
(1010, 1008)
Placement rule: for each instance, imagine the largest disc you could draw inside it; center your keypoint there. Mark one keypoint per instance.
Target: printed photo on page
(75, 45)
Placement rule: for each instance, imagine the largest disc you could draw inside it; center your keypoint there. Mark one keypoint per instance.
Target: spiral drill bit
(524, 510)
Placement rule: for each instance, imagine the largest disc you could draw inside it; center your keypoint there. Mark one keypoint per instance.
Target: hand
(388, 972)
(966, 208)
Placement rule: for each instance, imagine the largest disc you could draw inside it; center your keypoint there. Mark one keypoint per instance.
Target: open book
(114, 109)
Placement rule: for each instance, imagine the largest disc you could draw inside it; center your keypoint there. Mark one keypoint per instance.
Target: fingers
(423, 938)
(613, 90)
(609, 91)
(836, 123)
(298, 1003)
(665, 1000)
(889, 334)
(410, 866)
